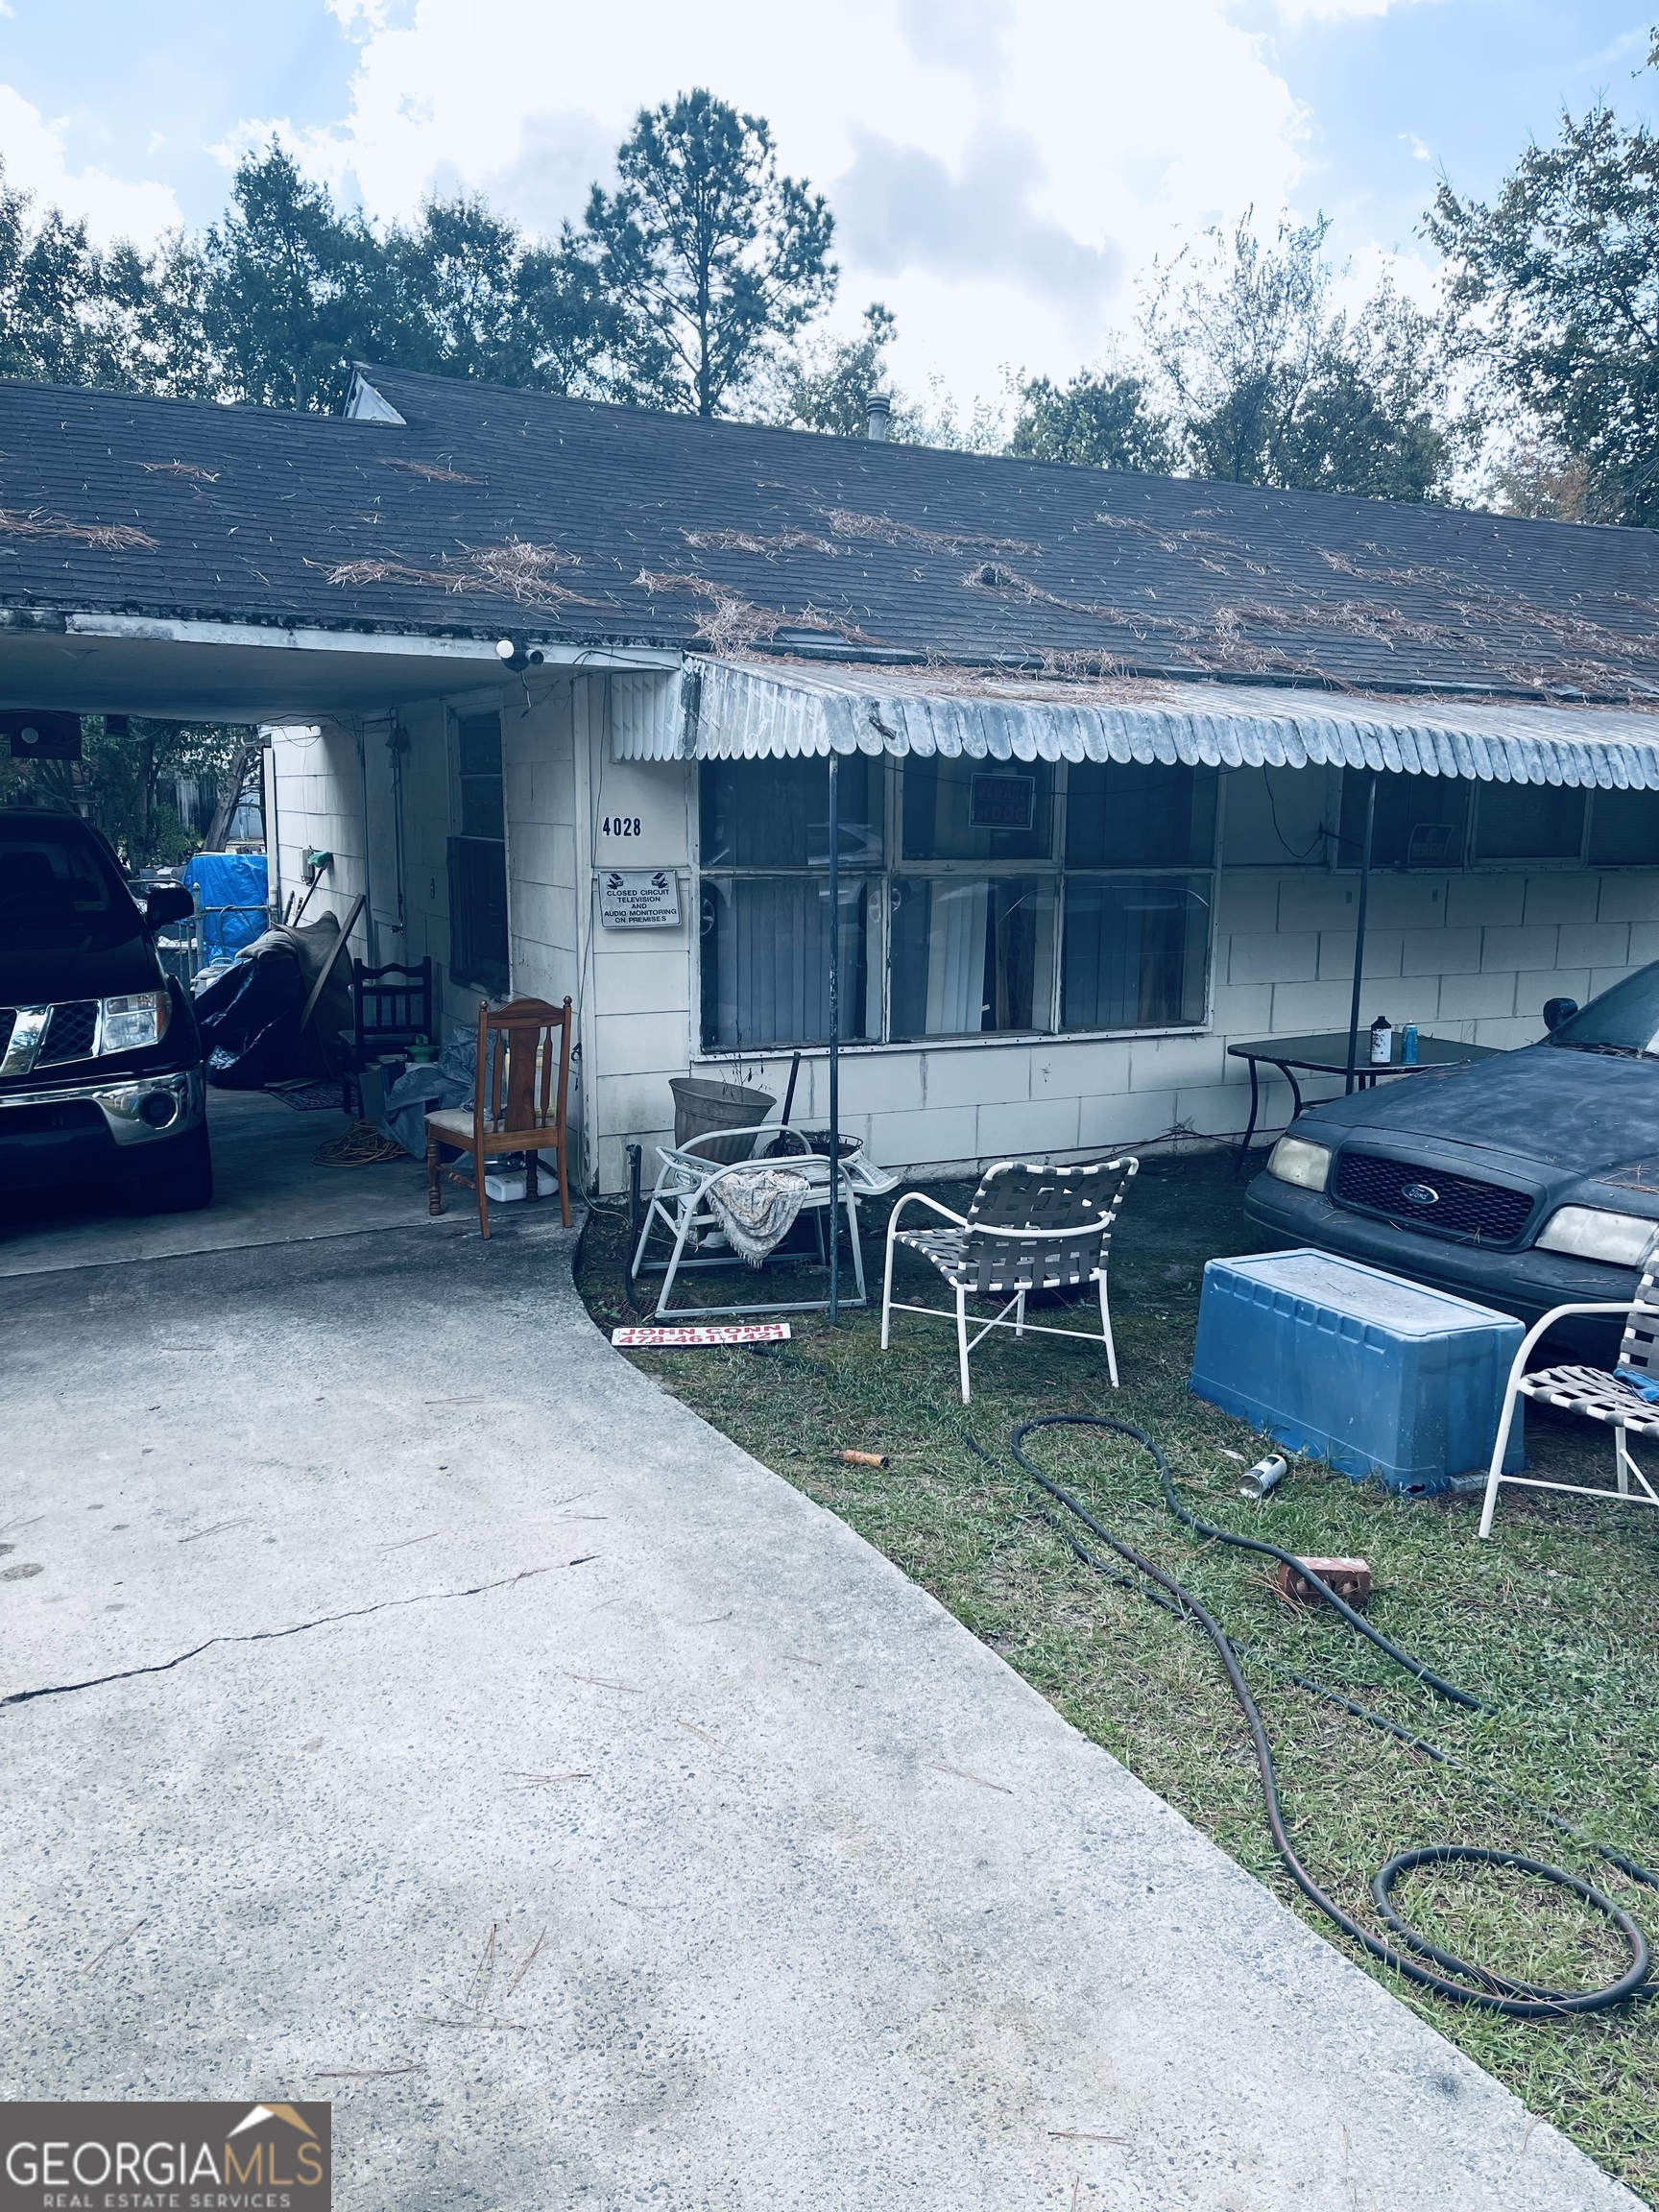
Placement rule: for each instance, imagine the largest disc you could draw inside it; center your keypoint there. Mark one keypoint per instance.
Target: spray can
(1408, 1046)
(1265, 1477)
(1382, 1042)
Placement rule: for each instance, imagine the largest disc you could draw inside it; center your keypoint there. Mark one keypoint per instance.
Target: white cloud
(111, 207)
(1001, 168)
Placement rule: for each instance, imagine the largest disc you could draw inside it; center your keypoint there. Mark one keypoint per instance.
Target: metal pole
(1360, 930)
(834, 1040)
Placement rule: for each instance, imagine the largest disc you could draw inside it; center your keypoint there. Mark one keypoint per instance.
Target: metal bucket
(701, 1107)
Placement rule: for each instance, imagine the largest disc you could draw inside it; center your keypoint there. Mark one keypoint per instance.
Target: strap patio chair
(514, 1105)
(1030, 1227)
(1615, 1399)
(682, 1207)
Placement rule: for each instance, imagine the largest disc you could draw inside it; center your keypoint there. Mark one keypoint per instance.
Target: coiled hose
(1452, 1977)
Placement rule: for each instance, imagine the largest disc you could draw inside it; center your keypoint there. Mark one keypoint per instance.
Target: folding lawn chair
(1615, 1399)
(1029, 1228)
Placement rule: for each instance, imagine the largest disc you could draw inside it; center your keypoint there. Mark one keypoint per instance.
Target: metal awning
(742, 711)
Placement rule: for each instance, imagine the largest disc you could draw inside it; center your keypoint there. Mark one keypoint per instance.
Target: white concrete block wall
(1470, 957)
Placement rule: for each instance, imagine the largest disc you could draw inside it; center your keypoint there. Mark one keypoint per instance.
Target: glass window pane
(1126, 815)
(1136, 952)
(776, 813)
(1528, 822)
(978, 809)
(1624, 830)
(481, 810)
(479, 744)
(765, 948)
(1421, 821)
(972, 954)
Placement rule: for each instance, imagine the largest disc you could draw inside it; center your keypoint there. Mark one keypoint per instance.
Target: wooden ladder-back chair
(513, 1106)
(1030, 1227)
(391, 1006)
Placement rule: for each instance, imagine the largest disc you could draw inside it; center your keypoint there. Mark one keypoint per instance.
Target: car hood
(1557, 1109)
(44, 978)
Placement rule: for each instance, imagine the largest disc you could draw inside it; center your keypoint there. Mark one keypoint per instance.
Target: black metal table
(1327, 1054)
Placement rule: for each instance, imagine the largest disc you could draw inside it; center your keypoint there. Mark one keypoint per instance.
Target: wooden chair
(390, 1006)
(512, 1103)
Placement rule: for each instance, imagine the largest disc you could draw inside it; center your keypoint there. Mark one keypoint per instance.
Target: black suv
(101, 1076)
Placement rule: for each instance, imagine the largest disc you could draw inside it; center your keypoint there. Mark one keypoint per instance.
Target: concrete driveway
(415, 1707)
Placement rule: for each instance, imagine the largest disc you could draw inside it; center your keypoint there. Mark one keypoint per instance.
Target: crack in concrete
(274, 1635)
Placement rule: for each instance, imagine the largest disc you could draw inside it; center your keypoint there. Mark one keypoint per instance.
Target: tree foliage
(1274, 385)
(709, 254)
(1097, 420)
(1555, 291)
(126, 779)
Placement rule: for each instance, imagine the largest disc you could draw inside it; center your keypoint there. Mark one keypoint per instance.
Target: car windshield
(1625, 1020)
(58, 890)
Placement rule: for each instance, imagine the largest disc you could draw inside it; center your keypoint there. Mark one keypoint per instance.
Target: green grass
(1554, 1623)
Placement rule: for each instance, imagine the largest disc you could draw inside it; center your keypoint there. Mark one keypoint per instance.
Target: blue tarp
(228, 880)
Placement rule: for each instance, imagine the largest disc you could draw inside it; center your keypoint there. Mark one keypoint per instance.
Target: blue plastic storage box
(1379, 1376)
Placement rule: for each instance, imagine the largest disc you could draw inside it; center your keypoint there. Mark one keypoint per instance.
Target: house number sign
(639, 898)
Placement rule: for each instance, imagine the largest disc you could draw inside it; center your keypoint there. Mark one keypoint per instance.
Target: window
(478, 947)
(1624, 830)
(977, 898)
(1528, 822)
(764, 908)
(1421, 821)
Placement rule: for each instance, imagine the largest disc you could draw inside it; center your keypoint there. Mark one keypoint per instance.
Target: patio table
(1327, 1054)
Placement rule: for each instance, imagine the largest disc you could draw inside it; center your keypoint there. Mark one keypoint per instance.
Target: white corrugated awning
(742, 710)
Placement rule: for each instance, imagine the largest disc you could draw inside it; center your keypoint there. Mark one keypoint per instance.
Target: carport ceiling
(213, 678)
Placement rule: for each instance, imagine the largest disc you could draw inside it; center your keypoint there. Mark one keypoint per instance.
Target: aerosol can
(1265, 1477)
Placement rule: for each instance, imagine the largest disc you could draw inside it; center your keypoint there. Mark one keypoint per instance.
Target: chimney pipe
(881, 408)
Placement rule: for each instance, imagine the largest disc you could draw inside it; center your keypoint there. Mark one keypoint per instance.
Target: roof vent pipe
(881, 408)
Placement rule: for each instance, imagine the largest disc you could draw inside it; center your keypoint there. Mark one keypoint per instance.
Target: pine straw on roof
(432, 470)
(734, 622)
(180, 469)
(108, 537)
(517, 570)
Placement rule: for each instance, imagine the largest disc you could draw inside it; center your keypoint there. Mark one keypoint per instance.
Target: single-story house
(554, 686)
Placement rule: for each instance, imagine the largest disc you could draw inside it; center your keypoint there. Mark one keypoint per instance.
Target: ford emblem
(1420, 1194)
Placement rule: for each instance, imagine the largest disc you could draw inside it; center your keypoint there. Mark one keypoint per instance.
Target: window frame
(465, 973)
(1053, 871)
(1469, 860)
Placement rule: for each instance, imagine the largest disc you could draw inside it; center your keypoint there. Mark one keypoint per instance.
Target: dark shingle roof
(488, 510)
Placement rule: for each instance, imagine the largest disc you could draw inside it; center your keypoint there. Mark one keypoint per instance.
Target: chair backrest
(1018, 1195)
(391, 1006)
(1639, 1349)
(514, 1089)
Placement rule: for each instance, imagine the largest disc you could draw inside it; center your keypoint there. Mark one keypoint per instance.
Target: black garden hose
(1450, 1976)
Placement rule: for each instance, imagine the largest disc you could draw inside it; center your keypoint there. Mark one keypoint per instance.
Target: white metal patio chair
(682, 1207)
(1593, 1392)
(1030, 1227)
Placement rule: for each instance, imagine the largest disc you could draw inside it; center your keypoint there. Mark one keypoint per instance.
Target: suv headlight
(1294, 1160)
(1589, 1233)
(128, 1024)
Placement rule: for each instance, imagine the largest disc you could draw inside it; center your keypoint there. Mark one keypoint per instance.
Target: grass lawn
(1554, 1623)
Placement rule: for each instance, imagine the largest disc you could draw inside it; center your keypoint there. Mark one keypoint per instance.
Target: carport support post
(1360, 928)
(834, 1039)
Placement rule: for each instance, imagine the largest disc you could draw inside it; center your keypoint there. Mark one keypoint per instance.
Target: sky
(1003, 173)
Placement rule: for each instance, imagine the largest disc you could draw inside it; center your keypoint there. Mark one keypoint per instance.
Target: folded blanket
(757, 1207)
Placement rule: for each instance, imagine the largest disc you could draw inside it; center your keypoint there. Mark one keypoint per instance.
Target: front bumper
(51, 1131)
(1525, 1284)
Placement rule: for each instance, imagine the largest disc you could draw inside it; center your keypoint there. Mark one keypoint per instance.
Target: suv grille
(71, 1032)
(8, 1022)
(1480, 1212)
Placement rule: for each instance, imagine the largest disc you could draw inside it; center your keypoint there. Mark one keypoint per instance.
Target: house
(554, 686)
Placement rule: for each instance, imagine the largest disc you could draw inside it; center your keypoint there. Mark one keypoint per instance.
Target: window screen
(1421, 821)
(478, 941)
(1624, 830)
(1528, 822)
(1133, 816)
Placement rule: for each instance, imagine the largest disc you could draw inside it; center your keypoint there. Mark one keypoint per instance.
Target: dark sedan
(1525, 1180)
